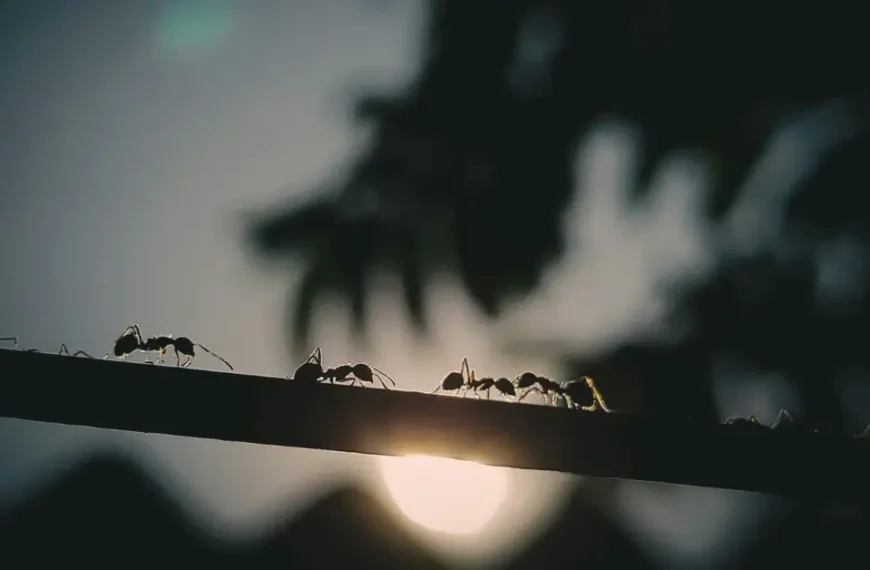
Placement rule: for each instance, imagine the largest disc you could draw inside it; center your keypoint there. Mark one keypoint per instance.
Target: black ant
(504, 386)
(575, 390)
(783, 422)
(457, 381)
(63, 349)
(312, 371)
(531, 382)
(131, 340)
(357, 373)
(571, 392)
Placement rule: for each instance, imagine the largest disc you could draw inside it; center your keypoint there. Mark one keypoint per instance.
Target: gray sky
(132, 135)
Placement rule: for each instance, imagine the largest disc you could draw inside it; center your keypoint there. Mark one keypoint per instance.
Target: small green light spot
(192, 26)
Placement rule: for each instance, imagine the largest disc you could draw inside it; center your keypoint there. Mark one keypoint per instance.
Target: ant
(575, 390)
(504, 386)
(131, 340)
(784, 421)
(457, 381)
(357, 373)
(312, 371)
(63, 349)
(531, 382)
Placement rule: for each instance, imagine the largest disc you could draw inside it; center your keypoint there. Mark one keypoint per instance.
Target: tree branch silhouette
(460, 151)
(275, 411)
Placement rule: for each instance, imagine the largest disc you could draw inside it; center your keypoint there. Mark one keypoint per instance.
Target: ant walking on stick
(312, 371)
(131, 341)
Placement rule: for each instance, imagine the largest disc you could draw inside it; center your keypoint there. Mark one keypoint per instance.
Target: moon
(445, 495)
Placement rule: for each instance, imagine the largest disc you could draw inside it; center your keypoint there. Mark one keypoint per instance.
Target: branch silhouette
(468, 173)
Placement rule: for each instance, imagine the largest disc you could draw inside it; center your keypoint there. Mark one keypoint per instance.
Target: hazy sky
(132, 135)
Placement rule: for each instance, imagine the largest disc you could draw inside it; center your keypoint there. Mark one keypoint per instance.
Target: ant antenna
(316, 356)
(466, 371)
(384, 374)
(221, 358)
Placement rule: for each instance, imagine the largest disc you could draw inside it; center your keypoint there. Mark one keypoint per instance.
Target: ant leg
(65, 350)
(782, 417)
(596, 395)
(134, 328)
(436, 390)
(15, 344)
(221, 358)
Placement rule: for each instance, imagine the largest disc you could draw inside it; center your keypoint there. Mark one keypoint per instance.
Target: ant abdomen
(452, 382)
(309, 372)
(505, 387)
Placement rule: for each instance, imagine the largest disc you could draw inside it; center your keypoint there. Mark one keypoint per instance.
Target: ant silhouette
(531, 382)
(63, 349)
(131, 340)
(357, 373)
(312, 371)
(784, 422)
(457, 381)
(571, 392)
(504, 386)
(575, 390)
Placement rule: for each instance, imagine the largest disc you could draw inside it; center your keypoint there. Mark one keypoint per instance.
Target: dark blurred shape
(583, 535)
(348, 528)
(811, 534)
(103, 512)
(471, 166)
(107, 512)
(760, 312)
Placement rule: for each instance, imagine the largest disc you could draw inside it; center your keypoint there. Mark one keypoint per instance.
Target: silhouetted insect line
(571, 392)
(784, 422)
(131, 341)
(63, 349)
(311, 371)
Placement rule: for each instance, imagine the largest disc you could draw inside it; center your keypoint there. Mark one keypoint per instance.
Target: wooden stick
(274, 411)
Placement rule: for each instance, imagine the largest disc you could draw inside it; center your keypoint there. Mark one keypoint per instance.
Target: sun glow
(445, 495)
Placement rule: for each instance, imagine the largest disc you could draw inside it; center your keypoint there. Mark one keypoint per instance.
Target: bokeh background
(662, 195)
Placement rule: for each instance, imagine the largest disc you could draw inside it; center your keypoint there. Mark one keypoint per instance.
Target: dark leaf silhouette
(463, 152)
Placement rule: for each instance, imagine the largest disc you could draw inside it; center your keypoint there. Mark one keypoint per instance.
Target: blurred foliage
(470, 167)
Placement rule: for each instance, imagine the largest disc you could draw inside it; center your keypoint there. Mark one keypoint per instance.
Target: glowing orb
(445, 495)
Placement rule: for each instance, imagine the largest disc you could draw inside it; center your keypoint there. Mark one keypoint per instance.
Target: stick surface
(273, 411)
